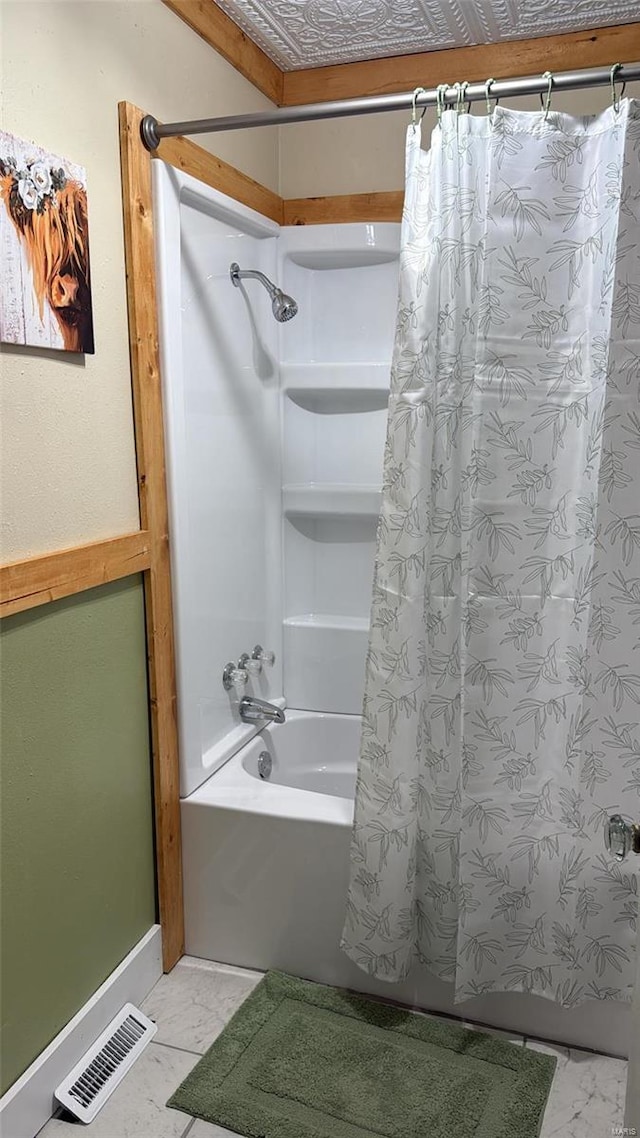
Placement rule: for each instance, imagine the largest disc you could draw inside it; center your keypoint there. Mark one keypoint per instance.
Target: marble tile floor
(192, 1005)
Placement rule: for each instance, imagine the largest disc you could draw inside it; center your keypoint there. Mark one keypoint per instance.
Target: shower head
(283, 307)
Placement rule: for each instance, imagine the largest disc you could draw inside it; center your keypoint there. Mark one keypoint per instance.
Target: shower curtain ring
(547, 99)
(487, 94)
(615, 99)
(441, 100)
(461, 89)
(418, 91)
(441, 91)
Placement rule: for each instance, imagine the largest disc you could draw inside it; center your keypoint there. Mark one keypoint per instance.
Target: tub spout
(254, 710)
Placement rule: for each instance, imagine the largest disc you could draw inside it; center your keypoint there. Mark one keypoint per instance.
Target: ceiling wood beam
(222, 34)
(574, 51)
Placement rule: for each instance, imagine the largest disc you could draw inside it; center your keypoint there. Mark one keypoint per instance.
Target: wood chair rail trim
(50, 576)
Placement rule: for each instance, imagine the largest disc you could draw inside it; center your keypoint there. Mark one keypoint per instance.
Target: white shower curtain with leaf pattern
(502, 704)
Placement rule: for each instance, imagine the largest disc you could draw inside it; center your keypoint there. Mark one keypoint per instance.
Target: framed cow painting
(45, 283)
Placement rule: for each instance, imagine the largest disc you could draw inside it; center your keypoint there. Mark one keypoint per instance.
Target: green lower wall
(77, 884)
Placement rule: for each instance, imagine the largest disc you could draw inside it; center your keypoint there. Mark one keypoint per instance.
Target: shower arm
(238, 275)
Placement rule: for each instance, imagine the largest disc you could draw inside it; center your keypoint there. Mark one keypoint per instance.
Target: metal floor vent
(88, 1086)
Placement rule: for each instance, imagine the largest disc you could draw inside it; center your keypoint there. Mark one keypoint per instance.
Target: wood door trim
(137, 204)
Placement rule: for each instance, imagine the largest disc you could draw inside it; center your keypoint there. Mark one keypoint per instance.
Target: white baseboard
(30, 1102)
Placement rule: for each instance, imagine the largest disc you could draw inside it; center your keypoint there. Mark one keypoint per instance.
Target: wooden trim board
(149, 429)
(39, 580)
(225, 37)
(343, 207)
(208, 168)
(597, 47)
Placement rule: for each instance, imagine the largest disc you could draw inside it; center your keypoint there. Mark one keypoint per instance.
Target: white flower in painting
(28, 192)
(41, 178)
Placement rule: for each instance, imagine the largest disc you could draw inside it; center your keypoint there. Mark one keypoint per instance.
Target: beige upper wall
(68, 462)
(350, 156)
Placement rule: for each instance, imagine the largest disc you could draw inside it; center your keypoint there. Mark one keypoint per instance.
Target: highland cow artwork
(45, 287)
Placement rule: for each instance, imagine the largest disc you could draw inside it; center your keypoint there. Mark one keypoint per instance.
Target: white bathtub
(315, 753)
(266, 866)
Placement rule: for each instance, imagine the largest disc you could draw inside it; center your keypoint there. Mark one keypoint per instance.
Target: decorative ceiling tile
(311, 33)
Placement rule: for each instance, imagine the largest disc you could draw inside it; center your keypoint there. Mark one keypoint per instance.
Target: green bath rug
(300, 1060)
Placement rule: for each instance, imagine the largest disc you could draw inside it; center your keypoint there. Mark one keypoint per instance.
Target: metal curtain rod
(152, 131)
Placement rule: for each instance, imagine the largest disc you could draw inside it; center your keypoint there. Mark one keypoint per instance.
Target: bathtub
(266, 866)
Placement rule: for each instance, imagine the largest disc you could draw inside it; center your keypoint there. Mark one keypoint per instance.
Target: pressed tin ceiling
(310, 33)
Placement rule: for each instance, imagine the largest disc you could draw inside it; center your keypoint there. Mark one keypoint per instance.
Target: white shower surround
(259, 418)
(222, 606)
(272, 507)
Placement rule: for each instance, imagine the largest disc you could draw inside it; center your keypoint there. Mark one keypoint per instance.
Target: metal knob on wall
(234, 677)
(251, 665)
(238, 675)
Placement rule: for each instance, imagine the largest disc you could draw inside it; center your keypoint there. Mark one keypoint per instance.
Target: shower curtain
(501, 721)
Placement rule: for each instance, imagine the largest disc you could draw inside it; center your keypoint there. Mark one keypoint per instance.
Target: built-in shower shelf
(356, 245)
(324, 657)
(314, 499)
(348, 258)
(331, 621)
(339, 400)
(337, 387)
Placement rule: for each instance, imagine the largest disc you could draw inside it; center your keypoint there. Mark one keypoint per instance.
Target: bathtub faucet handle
(234, 677)
(253, 667)
(265, 657)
